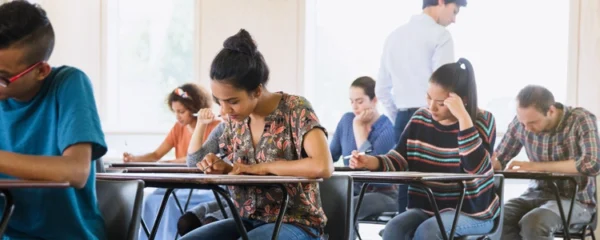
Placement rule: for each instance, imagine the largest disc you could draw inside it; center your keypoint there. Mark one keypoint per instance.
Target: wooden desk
(416, 179)
(146, 164)
(551, 177)
(349, 169)
(7, 184)
(210, 181)
(158, 170)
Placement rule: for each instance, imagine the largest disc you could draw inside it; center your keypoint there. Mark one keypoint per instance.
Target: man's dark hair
(25, 25)
(537, 96)
(428, 3)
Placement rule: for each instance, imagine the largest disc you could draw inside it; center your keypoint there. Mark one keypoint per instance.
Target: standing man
(410, 55)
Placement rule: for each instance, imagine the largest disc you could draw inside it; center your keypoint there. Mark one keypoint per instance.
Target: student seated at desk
(557, 139)
(452, 135)
(364, 129)
(50, 131)
(184, 101)
(266, 133)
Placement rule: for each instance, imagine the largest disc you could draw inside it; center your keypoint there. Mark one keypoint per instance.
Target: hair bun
(241, 42)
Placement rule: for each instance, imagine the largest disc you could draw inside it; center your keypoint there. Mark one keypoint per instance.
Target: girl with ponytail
(451, 135)
(265, 133)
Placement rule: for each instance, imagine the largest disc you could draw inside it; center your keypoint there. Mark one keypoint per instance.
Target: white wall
(276, 26)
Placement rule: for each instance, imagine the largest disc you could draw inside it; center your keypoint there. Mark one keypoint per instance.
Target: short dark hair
(428, 3)
(459, 78)
(191, 96)
(23, 24)
(240, 63)
(537, 96)
(367, 84)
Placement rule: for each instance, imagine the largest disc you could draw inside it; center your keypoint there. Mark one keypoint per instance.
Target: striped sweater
(428, 146)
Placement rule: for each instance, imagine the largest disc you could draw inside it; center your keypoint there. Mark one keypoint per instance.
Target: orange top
(180, 136)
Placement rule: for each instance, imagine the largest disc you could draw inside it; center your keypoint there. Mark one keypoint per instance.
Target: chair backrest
(336, 199)
(120, 203)
(100, 165)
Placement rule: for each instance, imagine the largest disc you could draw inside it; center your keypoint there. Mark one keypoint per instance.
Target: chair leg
(592, 233)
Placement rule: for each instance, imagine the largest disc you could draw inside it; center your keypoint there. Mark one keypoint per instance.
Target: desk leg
(9, 207)
(187, 202)
(363, 189)
(161, 210)
(281, 210)
(145, 227)
(566, 221)
(576, 187)
(234, 212)
(458, 209)
(174, 193)
(218, 199)
(436, 210)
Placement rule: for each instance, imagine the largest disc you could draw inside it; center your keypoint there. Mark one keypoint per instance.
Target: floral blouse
(282, 139)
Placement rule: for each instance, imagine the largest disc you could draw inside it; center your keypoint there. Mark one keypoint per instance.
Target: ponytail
(470, 87)
(459, 78)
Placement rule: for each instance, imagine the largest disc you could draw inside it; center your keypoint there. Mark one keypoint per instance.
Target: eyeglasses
(4, 81)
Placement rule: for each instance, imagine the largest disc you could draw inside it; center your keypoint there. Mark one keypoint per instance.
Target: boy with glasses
(49, 130)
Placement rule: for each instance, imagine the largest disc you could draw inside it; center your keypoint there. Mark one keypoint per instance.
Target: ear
(551, 111)
(257, 92)
(43, 71)
(374, 100)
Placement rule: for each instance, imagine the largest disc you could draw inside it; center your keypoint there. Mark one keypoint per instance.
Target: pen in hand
(220, 157)
(360, 153)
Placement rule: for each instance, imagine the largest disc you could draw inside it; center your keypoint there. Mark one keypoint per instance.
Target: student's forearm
(567, 166)
(58, 168)
(306, 167)
(179, 160)
(197, 138)
(148, 157)
(361, 133)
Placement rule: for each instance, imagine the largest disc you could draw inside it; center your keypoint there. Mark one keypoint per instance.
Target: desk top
(159, 169)
(404, 177)
(209, 179)
(348, 169)
(16, 183)
(146, 164)
(537, 175)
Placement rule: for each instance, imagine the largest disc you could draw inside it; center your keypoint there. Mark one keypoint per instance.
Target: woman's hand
(205, 116)
(254, 169)
(211, 164)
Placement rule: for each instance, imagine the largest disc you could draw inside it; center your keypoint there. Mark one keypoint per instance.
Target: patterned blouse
(281, 140)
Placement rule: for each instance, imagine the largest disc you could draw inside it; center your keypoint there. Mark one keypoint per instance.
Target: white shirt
(410, 55)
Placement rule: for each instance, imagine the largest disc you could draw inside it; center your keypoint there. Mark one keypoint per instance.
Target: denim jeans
(535, 215)
(257, 230)
(418, 225)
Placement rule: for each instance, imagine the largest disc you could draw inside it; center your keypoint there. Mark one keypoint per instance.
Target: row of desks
(170, 176)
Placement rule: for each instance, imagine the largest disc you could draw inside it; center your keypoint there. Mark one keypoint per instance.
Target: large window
(507, 46)
(149, 52)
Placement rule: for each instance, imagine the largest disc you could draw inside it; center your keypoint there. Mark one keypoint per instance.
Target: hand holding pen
(360, 153)
(214, 164)
(205, 116)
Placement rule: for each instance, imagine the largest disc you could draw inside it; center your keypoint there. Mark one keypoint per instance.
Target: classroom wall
(276, 25)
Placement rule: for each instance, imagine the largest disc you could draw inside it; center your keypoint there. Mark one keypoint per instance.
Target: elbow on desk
(325, 171)
(78, 178)
(589, 165)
